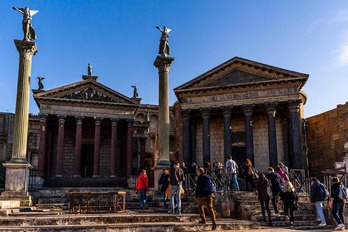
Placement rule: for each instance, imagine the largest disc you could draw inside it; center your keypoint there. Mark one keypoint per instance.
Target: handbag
(269, 191)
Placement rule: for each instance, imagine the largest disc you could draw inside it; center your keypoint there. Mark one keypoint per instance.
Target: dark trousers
(286, 212)
(275, 202)
(265, 205)
(338, 212)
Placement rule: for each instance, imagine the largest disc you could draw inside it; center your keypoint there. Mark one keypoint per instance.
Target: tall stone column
(272, 134)
(96, 157)
(60, 145)
(163, 64)
(129, 147)
(206, 134)
(227, 111)
(142, 152)
(297, 157)
(185, 114)
(78, 142)
(114, 123)
(248, 112)
(42, 144)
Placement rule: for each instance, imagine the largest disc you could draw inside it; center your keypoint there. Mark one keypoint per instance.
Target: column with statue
(17, 169)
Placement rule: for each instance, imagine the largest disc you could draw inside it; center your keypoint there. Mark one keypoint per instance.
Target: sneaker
(171, 212)
(339, 227)
(343, 228)
(322, 224)
(318, 219)
(276, 214)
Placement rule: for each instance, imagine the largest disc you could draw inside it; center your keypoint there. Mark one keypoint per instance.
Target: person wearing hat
(317, 200)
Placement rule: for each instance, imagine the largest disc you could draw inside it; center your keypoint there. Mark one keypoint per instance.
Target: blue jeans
(232, 182)
(175, 191)
(338, 212)
(142, 197)
(320, 212)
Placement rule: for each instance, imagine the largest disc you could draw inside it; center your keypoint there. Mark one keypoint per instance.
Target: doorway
(239, 154)
(87, 153)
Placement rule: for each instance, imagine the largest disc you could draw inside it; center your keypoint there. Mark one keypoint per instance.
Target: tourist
(263, 197)
(231, 174)
(164, 182)
(241, 176)
(317, 199)
(283, 177)
(192, 171)
(142, 186)
(184, 168)
(337, 204)
(205, 198)
(251, 175)
(289, 198)
(176, 176)
(284, 168)
(276, 188)
(207, 168)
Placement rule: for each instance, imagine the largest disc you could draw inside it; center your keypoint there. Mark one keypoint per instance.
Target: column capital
(248, 109)
(79, 119)
(61, 118)
(98, 121)
(43, 117)
(163, 63)
(294, 105)
(227, 111)
(114, 121)
(271, 108)
(185, 114)
(26, 49)
(205, 112)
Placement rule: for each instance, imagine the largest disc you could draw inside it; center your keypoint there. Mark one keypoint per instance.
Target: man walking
(231, 174)
(318, 195)
(142, 186)
(275, 181)
(204, 198)
(176, 176)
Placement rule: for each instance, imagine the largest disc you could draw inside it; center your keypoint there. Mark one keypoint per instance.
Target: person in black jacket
(337, 204)
(276, 189)
(205, 198)
(289, 198)
(263, 197)
(164, 182)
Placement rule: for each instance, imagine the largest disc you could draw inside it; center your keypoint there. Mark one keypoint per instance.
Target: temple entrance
(87, 153)
(238, 154)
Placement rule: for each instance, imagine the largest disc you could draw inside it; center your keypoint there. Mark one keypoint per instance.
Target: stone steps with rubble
(305, 217)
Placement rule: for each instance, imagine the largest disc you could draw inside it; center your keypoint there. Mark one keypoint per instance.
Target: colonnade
(248, 110)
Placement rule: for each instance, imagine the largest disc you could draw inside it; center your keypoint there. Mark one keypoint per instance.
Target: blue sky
(120, 40)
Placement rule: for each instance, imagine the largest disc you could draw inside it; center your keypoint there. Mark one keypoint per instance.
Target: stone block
(10, 204)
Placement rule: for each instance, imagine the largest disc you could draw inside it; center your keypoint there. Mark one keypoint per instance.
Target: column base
(162, 164)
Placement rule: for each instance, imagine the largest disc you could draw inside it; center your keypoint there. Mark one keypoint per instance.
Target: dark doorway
(87, 152)
(238, 154)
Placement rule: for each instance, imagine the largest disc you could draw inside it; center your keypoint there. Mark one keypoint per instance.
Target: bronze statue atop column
(164, 48)
(29, 32)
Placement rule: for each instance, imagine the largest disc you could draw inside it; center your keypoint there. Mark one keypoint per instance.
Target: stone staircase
(247, 207)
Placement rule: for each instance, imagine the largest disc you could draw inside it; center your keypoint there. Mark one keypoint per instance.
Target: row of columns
(127, 161)
(248, 113)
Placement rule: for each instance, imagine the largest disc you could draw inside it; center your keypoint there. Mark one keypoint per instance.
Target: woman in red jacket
(142, 186)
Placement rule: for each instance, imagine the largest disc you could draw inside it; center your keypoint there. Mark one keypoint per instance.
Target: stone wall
(326, 135)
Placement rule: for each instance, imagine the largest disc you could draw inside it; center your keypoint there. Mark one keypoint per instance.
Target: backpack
(343, 192)
(210, 186)
(322, 191)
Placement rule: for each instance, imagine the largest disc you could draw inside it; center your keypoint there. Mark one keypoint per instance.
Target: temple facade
(87, 133)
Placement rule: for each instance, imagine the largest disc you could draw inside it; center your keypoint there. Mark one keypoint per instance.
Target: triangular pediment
(239, 71)
(86, 91)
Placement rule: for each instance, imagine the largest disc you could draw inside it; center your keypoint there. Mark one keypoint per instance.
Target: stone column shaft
(186, 137)
(129, 147)
(272, 134)
(142, 153)
(20, 132)
(248, 112)
(113, 147)
(78, 141)
(163, 65)
(227, 111)
(42, 145)
(297, 158)
(206, 134)
(60, 145)
(96, 157)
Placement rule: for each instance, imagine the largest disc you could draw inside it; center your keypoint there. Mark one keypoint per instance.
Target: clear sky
(121, 42)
